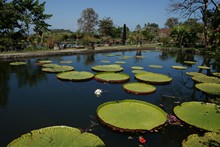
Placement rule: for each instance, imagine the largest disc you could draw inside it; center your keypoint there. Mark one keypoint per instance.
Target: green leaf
(210, 139)
(57, 136)
(131, 115)
(201, 115)
(75, 75)
(18, 63)
(112, 77)
(206, 79)
(203, 67)
(179, 67)
(210, 88)
(139, 88)
(107, 68)
(153, 78)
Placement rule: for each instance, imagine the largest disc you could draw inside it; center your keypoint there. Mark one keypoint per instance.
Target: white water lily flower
(98, 92)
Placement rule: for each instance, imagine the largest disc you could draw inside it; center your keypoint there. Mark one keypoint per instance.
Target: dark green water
(32, 99)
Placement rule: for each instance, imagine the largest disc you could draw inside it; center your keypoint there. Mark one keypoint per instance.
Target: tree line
(23, 25)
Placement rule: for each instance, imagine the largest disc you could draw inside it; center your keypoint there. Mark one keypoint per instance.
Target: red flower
(142, 140)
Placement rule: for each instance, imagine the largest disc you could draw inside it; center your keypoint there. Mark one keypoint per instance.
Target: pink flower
(142, 140)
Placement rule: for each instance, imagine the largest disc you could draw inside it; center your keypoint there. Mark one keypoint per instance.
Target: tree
(150, 31)
(197, 7)
(105, 27)
(124, 34)
(88, 21)
(171, 22)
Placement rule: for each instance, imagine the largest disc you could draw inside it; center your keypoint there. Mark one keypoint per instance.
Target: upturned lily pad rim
(75, 136)
(165, 79)
(179, 67)
(136, 84)
(17, 63)
(197, 140)
(116, 128)
(209, 88)
(107, 68)
(189, 116)
(124, 79)
(85, 76)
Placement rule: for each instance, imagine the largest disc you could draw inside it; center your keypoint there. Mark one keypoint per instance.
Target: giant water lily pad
(203, 67)
(45, 61)
(217, 74)
(153, 78)
(139, 88)
(201, 115)
(206, 79)
(18, 63)
(50, 65)
(120, 62)
(60, 136)
(57, 69)
(179, 67)
(66, 61)
(137, 67)
(112, 77)
(155, 66)
(131, 115)
(75, 75)
(210, 88)
(210, 139)
(190, 62)
(107, 68)
(194, 74)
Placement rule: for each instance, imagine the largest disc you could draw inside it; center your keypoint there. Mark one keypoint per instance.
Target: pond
(32, 99)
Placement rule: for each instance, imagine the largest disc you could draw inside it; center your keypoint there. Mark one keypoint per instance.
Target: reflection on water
(35, 99)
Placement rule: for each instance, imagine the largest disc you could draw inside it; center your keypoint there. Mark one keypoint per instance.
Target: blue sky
(129, 12)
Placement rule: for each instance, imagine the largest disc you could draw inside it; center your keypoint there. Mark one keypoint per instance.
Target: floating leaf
(75, 75)
(179, 67)
(66, 62)
(61, 136)
(217, 74)
(203, 67)
(210, 139)
(112, 77)
(105, 61)
(201, 115)
(206, 79)
(50, 65)
(125, 57)
(139, 88)
(18, 63)
(138, 71)
(57, 69)
(153, 78)
(140, 57)
(194, 74)
(107, 68)
(137, 67)
(131, 115)
(210, 88)
(45, 61)
(120, 62)
(155, 66)
(190, 62)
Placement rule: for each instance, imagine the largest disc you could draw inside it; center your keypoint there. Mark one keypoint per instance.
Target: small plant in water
(98, 92)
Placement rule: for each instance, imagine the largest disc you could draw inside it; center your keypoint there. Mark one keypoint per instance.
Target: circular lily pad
(210, 139)
(203, 67)
(210, 88)
(75, 75)
(179, 67)
(155, 66)
(131, 115)
(139, 88)
(137, 67)
(18, 63)
(140, 57)
(206, 79)
(50, 65)
(201, 115)
(120, 62)
(194, 74)
(66, 62)
(138, 71)
(105, 61)
(57, 69)
(107, 68)
(190, 62)
(45, 61)
(112, 77)
(217, 74)
(153, 78)
(61, 136)
(125, 57)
